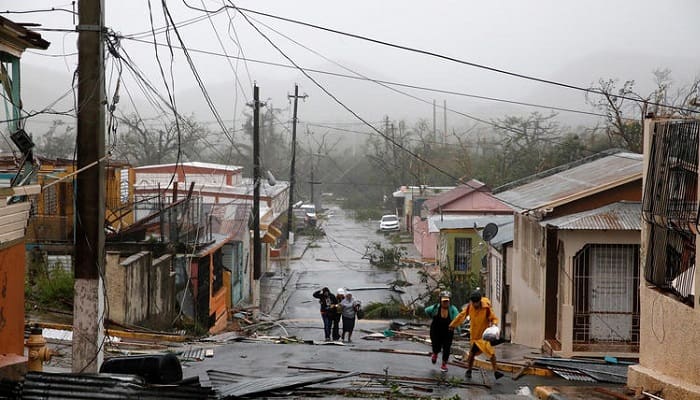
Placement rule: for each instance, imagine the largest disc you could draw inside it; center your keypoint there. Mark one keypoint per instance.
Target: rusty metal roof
(621, 216)
(574, 181)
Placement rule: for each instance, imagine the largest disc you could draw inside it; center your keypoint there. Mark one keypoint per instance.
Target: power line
(332, 96)
(460, 61)
(390, 88)
(169, 27)
(39, 11)
(392, 83)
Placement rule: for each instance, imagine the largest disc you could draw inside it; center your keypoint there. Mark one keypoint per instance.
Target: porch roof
(436, 223)
(620, 216)
(572, 181)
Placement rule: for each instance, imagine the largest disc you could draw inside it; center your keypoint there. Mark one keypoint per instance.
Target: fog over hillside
(572, 43)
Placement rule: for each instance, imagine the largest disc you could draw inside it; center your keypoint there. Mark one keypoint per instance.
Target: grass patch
(54, 289)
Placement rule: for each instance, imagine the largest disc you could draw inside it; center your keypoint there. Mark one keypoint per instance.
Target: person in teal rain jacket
(440, 333)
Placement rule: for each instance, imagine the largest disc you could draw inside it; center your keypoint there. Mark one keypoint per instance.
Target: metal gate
(606, 294)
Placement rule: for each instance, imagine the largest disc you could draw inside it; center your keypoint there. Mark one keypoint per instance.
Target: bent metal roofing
(572, 183)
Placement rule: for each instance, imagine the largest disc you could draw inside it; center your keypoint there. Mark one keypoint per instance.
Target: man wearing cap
(441, 334)
(480, 317)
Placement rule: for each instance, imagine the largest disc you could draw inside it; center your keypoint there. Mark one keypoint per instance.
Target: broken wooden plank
(522, 370)
(505, 367)
(150, 336)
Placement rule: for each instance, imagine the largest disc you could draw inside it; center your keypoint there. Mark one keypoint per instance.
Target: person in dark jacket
(441, 334)
(328, 309)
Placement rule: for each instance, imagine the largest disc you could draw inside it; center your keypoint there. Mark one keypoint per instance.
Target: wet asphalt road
(335, 261)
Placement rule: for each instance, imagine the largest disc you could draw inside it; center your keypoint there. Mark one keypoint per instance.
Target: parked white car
(389, 223)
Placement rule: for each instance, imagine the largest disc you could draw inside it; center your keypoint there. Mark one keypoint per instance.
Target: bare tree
(58, 141)
(144, 144)
(615, 102)
(625, 109)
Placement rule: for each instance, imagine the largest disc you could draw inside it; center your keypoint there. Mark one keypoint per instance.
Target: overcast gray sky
(575, 42)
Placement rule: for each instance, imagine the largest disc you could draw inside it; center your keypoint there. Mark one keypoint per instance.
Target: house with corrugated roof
(204, 210)
(409, 201)
(573, 275)
(471, 199)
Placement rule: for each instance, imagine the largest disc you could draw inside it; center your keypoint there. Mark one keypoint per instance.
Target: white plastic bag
(491, 333)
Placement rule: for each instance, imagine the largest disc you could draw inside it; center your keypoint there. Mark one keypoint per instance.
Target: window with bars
(463, 254)
(670, 207)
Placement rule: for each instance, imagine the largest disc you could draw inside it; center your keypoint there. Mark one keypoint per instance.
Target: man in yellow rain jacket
(480, 317)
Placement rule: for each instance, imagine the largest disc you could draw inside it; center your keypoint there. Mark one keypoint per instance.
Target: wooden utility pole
(292, 176)
(444, 114)
(434, 122)
(257, 247)
(88, 301)
(311, 182)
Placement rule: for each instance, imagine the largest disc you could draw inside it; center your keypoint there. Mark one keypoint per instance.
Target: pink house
(472, 198)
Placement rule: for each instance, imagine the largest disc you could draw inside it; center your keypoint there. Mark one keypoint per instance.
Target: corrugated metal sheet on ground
(572, 375)
(621, 216)
(263, 385)
(221, 378)
(608, 373)
(196, 354)
(561, 182)
(41, 385)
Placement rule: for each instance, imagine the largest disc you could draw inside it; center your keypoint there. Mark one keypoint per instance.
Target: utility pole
(311, 182)
(257, 247)
(444, 114)
(292, 177)
(434, 122)
(88, 300)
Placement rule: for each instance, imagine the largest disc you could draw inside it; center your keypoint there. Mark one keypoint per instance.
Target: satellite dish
(489, 232)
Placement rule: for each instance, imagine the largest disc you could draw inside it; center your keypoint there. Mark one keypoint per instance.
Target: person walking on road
(349, 307)
(337, 312)
(441, 332)
(481, 317)
(328, 302)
